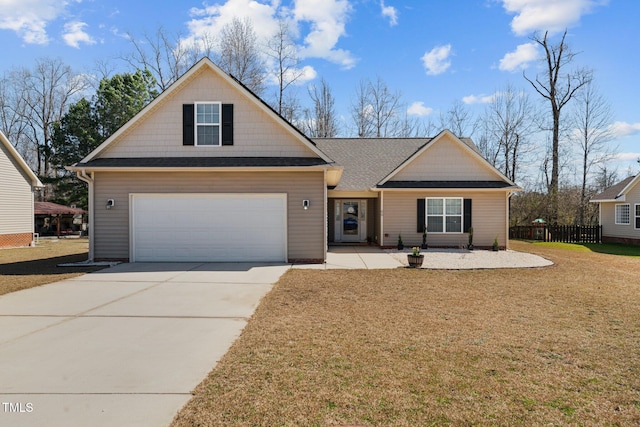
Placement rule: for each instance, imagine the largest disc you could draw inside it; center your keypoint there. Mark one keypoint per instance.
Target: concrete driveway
(124, 346)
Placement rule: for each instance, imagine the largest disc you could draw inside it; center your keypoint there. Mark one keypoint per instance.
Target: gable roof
(371, 162)
(470, 149)
(175, 86)
(616, 192)
(13, 153)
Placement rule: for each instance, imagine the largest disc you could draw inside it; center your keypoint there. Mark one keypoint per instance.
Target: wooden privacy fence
(557, 233)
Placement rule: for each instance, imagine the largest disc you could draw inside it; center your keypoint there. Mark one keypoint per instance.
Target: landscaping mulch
(22, 268)
(538, 346)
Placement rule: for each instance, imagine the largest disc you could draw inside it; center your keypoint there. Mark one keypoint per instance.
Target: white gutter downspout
(82, 175)
(382, 219)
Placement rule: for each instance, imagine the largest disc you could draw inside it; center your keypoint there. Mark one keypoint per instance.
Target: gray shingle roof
(204, 162)
(612, 192)
(367, 161)
(445, 184)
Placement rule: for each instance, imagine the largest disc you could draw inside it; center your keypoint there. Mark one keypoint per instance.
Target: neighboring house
(619, 211)
(52, 219)
(209, 172)
(17, 185)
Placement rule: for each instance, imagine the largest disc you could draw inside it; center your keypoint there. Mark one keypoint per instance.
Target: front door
(351, 221)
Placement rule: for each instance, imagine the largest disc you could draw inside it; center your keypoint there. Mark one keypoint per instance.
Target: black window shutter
(467, 215)
(188, 122)
(421, 218)
(227, 124)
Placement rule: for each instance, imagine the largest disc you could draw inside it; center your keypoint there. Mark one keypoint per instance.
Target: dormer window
(208, 124)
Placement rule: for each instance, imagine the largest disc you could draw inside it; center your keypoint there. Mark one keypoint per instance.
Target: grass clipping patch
(402, 347)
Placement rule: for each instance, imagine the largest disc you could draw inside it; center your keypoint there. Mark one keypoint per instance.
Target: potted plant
(424, 237)
(400, 244)
(470, 245)
(495, 244)
(415, 258)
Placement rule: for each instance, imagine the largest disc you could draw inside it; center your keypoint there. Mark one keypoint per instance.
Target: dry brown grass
(551, 346)
(23, 268)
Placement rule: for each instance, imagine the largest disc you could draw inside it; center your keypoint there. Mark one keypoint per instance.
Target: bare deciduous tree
(376, 110)
(46, 92)
(557, 87)
(284, 53)
(590, 120)
(458, 120)
(509, 122)
(163, 55)
(240, 56)
(321, 122)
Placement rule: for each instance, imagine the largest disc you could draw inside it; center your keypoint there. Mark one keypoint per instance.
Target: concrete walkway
(124, 346)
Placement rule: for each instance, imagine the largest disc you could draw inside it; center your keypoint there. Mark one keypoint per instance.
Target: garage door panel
(209, 227)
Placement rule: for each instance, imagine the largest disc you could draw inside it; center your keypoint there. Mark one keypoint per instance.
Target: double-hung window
(637, 218)
(622, 214)
(444, 215)
(208, 124)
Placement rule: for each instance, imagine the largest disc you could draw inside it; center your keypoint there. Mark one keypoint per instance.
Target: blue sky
(434, 52)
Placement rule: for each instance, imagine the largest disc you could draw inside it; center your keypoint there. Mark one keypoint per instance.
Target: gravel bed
(462, 259)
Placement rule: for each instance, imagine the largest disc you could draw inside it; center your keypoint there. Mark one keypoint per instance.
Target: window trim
(444, 214)
(615, 213)
(196, 124)
(636, 217)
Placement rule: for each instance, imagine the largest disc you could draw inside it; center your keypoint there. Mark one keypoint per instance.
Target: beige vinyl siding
(16, 197)
(488, 219)
(608, 219)
(446, 159)
(159, 133)
(305, 239)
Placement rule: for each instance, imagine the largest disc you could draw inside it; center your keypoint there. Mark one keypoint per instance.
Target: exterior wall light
(110, 203)
(305, 204)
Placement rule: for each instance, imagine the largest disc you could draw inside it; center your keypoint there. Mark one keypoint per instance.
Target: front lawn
(541, 346)
(23, 268)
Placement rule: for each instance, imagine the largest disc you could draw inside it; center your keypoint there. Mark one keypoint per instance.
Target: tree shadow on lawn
(614, 249)
(47, 266)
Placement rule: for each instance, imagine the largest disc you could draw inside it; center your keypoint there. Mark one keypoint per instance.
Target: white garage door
(208, 227)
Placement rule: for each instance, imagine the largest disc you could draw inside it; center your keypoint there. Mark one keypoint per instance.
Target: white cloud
(547, 15)
(389, 12)
(29, 18)
(628, 156)
(304, 75)
(622, 129)
(418, 109)
(520, 58)
(211, 19)
(478, 99)
(74, 34)
(326, 20)
(436, 61)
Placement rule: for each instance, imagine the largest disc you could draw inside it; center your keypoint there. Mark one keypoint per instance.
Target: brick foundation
(15, 240)
(623, 240)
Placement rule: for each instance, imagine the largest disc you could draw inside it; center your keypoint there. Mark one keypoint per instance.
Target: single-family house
(209, 172)
(17, 186)
(619, 211)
